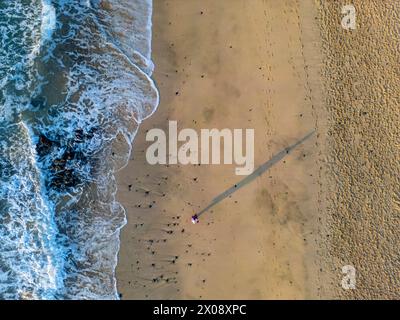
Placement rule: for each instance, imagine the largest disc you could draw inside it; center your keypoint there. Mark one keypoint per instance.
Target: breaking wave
(74, 86)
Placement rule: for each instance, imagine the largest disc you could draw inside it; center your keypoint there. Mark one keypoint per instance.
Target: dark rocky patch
(64, 170)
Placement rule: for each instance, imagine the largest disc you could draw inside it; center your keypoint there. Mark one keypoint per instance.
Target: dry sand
(362, 99)
(258, 64)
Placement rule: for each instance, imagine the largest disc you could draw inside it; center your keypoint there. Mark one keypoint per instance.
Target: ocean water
(75, 83)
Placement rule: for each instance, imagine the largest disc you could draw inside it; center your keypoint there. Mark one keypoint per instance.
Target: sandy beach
(207, 150)
(361, 77)
(236, 66)
(270, 66)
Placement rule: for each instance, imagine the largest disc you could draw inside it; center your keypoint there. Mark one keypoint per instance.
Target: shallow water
(74, 86)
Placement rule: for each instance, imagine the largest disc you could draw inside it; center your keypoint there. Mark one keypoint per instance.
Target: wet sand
(231, 66)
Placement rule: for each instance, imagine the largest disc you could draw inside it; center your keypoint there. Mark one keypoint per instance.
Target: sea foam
(48, 20)
(69, 114)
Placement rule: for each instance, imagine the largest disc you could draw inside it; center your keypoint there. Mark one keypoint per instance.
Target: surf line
(256, 173)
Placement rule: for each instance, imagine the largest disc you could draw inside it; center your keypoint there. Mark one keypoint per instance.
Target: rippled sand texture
(362, 100)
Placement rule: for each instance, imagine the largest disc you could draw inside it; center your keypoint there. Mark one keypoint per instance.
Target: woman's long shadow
(258, 172)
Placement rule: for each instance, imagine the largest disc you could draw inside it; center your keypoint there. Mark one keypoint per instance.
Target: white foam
(49, 21)
(109, 90)
(29, 251)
